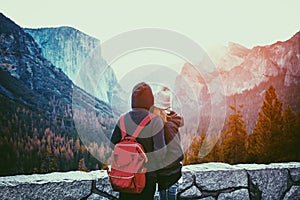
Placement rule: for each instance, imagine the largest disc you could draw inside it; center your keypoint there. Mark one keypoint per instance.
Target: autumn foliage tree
(234, 138)
(290, 134)
(297, 140)
(266, 140)
(191, 154)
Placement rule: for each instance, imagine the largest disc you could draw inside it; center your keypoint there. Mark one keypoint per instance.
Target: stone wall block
(241, 194)
(223, 179)
(293, 193)
(104, 185)
(62, 190)
(295, 174)
(96, 197)
(186, 181)
(271, 182)
(192, 192)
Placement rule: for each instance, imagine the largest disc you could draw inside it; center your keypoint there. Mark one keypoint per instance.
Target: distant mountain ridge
(75, 53)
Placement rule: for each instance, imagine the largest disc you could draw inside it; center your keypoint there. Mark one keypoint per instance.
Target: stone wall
(203, 181)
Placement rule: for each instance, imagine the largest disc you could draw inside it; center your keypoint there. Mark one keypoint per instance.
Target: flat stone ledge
(56, 177)
(202, 181)
(255, 166)
(212, 166)
(57, 185)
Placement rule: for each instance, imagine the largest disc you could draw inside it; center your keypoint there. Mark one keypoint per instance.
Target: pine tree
(264, 142)
(289, 147)
(297, 140)
(215, 154)
(191, 154)
(234, 138)
(81, 165)
(47, 162)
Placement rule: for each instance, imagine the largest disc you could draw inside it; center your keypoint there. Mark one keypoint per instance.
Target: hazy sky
(209, 23)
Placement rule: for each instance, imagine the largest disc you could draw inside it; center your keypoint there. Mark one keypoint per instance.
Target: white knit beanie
(162, 99)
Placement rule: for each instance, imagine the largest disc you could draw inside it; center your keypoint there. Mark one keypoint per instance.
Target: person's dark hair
(142, 96)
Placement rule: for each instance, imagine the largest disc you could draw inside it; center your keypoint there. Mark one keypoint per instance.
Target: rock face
(202, 181)
(21, 57)
(243, 68)
(246, 74)
(66, 47)
(74, 53)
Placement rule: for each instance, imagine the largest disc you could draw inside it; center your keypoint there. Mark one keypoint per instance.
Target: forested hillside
(275, 138)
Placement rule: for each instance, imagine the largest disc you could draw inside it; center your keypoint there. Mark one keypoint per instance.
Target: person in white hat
(167, 177)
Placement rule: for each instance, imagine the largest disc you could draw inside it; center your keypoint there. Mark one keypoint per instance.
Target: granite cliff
(76, 53)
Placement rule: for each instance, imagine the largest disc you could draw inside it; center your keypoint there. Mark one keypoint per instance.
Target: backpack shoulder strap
(122, 126)
(139, 128)
(142, 124)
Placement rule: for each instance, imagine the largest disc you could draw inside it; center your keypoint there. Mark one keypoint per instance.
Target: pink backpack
(127, 172)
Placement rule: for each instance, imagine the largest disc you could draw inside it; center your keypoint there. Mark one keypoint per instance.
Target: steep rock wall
(79, 57)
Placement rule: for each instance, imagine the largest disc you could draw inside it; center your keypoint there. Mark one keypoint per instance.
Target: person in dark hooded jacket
(151, 137)
(168, 176)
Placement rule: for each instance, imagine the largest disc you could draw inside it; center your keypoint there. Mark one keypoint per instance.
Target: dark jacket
(171, 173)
(151, 137)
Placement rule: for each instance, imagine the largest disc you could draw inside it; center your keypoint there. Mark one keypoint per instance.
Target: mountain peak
(296, 37)
(58, 31)
(7, 25)
(237, 49)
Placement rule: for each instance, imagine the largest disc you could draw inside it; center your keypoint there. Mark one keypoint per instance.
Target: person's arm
(175, 151)
(159, 145)
(176, 119)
